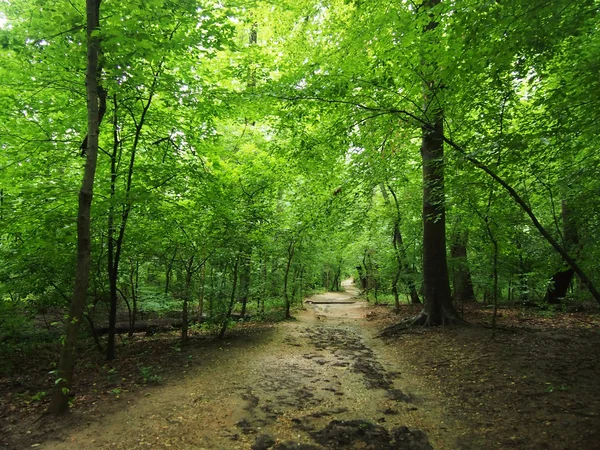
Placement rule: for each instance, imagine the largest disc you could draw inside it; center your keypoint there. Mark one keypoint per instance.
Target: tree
(66, 364)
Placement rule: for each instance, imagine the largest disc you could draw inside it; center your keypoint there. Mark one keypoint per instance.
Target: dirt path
(321, 381)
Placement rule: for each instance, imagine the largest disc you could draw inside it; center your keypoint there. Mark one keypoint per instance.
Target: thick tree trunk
(336, 284)
(461, 275)
(439, 308)
(60, 399)
(559, 285)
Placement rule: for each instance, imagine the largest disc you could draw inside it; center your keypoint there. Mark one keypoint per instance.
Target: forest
(188, 181)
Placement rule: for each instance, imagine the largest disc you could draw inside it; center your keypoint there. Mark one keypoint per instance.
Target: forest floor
(325, 381)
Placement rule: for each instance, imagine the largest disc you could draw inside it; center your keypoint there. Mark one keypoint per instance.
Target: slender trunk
(116, 251)
(60, 399)
(189, 271)
(338, 277)
(112, 315)
(265, 285)
(245, 280)
(201, 296)
(112, 264)
(169, 271)
(213, 288)
(94, 333)
(231, 300)
(134, 275)
(372, 279)
(495, 285)
(301, 287)
(290, 252)
(461, 275)
(402, 261)
(366, 280)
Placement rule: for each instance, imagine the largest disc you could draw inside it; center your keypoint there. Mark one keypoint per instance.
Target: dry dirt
(325, 381)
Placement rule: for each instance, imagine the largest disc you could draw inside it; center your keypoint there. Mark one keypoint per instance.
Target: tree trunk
(461, 275)
(265, 288)
(112, 314)
(245, 280)
(134, 282)
(402, 264)
(189, 271)
(495, 284)
(201, 296)
(112, 268)
(213, 287)
(60, 399)
(561, 280)
(169, 271)
(439, 308)
(94, 333)
(231, 300)
(291, 249)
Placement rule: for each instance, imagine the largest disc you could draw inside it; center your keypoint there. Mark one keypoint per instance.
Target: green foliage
(149, 375)
(270, 160)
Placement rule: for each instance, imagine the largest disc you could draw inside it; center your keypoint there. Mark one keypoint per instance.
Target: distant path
(320, 382)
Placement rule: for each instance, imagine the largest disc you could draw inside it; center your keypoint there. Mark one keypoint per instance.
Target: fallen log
(156, 325)
(143, 326)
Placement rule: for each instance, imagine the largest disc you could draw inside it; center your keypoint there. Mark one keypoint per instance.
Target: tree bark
(561, 279)
(169, 271)
(245, 280)
(134, 276)
(189, 272)
(403, 268)
(439, 308)
(201, 295)
(231, 300)
(461, 275)
(290, 251)
(60, 399)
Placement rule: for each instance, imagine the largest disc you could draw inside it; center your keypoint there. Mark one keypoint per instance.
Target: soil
(326, 381)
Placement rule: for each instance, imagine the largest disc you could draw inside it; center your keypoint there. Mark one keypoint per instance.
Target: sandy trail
(321, 381)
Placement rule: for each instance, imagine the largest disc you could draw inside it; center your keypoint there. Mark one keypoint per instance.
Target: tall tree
(439, 308)
(66, 364)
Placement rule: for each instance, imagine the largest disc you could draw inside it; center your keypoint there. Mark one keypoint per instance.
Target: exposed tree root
(420, 320)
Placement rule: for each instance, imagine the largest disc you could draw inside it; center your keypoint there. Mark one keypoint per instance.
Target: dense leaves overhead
(251, 151)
